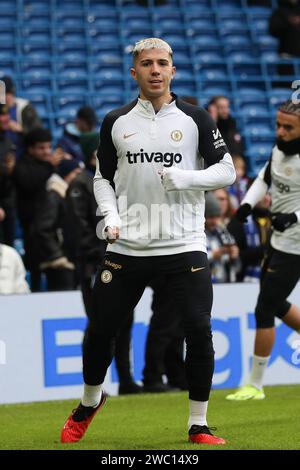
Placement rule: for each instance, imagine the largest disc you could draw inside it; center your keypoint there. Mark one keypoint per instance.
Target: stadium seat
(82, 49)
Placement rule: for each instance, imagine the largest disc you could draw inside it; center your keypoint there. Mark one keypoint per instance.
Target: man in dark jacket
(285, 26)
(7, 193)
(54, 228)
(30, 176)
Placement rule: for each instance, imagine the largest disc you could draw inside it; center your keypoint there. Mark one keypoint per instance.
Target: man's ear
(173, 71)
(133, 73)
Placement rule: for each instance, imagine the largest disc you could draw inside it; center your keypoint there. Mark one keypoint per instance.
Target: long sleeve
(106, 165)
(259, 187)
(220, 170)
(216, 176)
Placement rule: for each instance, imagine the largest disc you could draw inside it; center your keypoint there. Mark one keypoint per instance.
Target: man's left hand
(283, 221)
(174, 179)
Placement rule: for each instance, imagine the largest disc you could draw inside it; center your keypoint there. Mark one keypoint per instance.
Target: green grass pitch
(152, 422)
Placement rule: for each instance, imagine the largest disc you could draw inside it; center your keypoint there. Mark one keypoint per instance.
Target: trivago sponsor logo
(167, 158)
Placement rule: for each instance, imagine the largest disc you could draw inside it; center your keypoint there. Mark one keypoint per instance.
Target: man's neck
(157, 103)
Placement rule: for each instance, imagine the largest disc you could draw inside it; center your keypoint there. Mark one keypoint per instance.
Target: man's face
(4, 122)
(41, 151)
(153, 70)
(287, 126)
(222, 105)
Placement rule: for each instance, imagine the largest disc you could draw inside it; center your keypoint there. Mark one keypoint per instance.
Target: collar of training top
(147, 107)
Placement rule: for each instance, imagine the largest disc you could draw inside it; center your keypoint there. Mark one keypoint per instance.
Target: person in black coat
(284, 25)
(30, 175)
(7, 191)
(54, 228)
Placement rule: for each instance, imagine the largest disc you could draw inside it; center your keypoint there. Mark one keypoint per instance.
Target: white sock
(198, 410)
(259, 365)
(91, 395)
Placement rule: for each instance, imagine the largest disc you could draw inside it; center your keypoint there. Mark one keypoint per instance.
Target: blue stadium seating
(64, 54)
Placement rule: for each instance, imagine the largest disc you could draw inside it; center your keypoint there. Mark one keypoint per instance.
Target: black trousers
(123, 341)
(119, 286)
(280, 274)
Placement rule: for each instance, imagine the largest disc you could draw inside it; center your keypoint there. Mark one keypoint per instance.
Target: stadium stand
(65, 54)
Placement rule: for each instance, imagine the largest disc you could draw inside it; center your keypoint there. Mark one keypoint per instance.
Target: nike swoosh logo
(126, 136)
(197, 269)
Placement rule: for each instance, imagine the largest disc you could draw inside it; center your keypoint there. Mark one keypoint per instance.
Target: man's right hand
(112, 234)
(243, 212)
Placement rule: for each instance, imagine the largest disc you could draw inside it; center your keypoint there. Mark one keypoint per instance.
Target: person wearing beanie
(91, 250)
(54, 229)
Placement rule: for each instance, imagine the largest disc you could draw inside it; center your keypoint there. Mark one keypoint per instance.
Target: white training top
(135, 144)
(282, 174)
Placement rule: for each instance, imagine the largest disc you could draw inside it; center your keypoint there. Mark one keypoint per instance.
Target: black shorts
(280, 274)
(122, 279)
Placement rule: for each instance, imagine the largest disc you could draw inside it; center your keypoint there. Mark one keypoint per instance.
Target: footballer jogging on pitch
(281, 269)
(151, 156)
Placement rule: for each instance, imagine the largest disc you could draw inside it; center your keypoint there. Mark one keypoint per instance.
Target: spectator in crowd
(225, 204)
(23, 115)
(222, 251)
(220, 111)
(285, 26)
(12, 272)
(239, 188)
(252, 239)
(86, 121)
(5, 142)
(7, 198)
(81, 201)
(30, 175)
(54, 228)
(7, 195)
